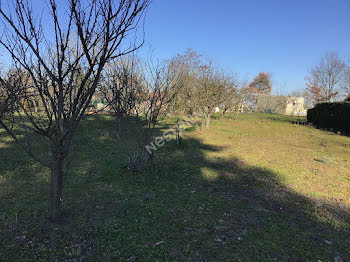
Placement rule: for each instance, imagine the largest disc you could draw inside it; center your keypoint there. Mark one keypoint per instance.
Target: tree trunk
(223, 113)
(56, 188)
(208, 122)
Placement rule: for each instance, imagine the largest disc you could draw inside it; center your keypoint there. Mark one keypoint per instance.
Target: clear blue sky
(284, 37)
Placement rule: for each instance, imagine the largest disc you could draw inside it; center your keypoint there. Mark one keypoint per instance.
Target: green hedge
(331, 116)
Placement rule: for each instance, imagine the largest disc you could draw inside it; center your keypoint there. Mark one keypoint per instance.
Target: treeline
(187, 84)
(88, 52)
(206, 86)
(137, 91)
(140, 93)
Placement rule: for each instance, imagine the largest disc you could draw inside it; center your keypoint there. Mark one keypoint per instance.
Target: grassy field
(252, 188)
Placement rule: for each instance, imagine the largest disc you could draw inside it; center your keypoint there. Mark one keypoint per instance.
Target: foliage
(261, 84)
(330, 115)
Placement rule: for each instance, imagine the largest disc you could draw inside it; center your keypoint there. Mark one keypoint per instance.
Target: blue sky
(284, 37)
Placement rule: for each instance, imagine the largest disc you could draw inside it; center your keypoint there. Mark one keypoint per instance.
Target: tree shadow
(333, 131)
(186, 206)
(266, 201)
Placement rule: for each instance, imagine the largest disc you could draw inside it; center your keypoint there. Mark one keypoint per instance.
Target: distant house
(284, 105)
(347, 99)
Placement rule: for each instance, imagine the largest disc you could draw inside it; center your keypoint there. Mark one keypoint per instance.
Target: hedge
(331, 116)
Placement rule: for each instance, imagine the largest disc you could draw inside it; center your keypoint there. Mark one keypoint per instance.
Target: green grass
(252, 188)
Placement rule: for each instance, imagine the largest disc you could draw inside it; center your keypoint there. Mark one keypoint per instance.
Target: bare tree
(204, 86)
(122, 86)
(10, 86)
(139, 94)
(232, 98)
(186, 65)
(209, 90)
(346, 81)
(63, 64)
(324, 79)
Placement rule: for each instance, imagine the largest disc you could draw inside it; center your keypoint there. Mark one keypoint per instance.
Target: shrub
(331, 116)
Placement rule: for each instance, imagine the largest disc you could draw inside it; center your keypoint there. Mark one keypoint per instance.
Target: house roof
(347, 98)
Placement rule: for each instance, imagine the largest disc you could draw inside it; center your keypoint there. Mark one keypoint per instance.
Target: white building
(284, 105)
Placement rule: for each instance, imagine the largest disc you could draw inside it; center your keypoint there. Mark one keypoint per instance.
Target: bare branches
(14, 93)
(138, 94)
(323, 82)
(232, 98)
(204, 86)
(64, 72)
(122, 85)
(61, 64)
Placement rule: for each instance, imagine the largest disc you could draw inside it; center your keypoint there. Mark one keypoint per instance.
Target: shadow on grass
(184, 207)
(333, 131)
